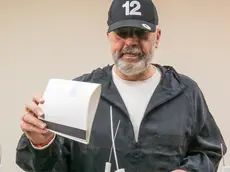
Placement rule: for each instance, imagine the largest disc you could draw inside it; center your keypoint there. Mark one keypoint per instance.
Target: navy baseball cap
(132, 13)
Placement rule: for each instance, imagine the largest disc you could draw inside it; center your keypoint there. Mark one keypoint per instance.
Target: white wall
(42, 39)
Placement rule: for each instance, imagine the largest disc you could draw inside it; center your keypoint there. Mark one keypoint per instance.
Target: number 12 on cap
(135, 5)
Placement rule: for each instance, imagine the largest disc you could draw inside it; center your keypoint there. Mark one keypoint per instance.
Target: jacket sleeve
(204, 150)
(51, 159)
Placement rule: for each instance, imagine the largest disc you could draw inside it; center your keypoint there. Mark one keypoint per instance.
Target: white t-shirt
(136, 96)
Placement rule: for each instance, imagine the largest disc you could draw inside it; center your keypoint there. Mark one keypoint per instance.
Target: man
(165, 123)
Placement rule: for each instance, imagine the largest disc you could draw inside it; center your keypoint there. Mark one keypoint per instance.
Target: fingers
(30, 124)
(28, 127)
(35, 109)
(31, 119)
(38, 100)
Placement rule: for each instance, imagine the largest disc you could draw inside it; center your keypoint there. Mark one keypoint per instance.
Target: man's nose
(132, 41)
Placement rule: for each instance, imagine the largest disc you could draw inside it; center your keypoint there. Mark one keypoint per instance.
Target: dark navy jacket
(177, 132)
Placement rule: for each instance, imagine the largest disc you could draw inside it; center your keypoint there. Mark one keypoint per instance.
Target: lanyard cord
(112, 135)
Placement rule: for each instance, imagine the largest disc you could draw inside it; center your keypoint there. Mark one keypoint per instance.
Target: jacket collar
(168, 88)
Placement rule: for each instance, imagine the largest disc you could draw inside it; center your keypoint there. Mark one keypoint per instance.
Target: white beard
(133, 69)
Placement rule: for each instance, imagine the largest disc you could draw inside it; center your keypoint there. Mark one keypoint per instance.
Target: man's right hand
(34, 128)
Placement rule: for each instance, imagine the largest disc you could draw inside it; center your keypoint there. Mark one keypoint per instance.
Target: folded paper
(70, 108)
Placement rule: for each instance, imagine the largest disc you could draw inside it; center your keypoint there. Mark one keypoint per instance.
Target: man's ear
(158, 37)
(108, 35)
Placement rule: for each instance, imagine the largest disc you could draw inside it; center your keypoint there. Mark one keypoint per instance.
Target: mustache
(133, 51)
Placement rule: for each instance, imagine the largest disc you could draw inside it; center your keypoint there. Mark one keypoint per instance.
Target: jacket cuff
(45, 145)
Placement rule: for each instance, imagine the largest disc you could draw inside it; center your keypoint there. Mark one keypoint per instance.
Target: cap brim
(133, 23)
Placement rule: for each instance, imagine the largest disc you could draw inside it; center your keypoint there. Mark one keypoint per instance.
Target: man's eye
(139, 33)
(122, 34)
(142, 34)
(144, 37)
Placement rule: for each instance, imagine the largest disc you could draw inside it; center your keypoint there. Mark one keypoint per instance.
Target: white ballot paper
(70, 107)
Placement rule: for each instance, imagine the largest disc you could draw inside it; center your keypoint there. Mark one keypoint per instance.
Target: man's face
(133, 49)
